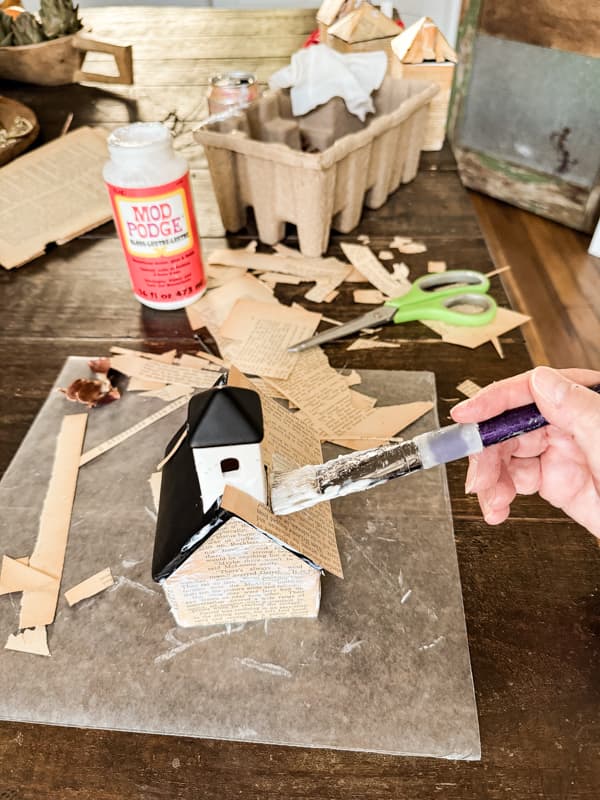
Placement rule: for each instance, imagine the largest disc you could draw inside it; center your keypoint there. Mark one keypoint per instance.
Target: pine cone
(59, 18)
(27, 30)
(6, 35)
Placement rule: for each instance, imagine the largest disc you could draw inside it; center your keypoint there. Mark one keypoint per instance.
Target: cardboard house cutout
(422, 41)
(422, 52)
(363, 25)
(220, 554)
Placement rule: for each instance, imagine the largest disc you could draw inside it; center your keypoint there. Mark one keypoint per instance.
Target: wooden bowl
(59, 61)
(9, 109)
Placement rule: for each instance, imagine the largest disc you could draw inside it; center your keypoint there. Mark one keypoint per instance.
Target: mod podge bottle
(149, 189)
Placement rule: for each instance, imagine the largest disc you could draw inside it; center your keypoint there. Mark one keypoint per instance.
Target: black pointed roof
(225, 416)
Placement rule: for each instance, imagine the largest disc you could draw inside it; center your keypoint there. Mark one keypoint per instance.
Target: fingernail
(550, 385)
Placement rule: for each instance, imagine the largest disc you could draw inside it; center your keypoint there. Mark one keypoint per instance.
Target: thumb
(571, 407)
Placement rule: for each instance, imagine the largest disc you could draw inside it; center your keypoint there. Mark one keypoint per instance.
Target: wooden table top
(531, 586)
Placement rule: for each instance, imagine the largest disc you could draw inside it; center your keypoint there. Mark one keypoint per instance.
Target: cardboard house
(358, 28)
(421, 52)
(220, 554)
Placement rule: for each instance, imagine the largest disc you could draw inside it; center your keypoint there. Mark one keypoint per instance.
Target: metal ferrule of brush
(370, 467)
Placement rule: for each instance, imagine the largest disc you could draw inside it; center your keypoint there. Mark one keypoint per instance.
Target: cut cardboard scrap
(17, 576)
(369, 296)
(504, 321)
(273, 278)
(469, 388)
(367, 264)
(155, 481)
(436, 266)
(91, 586)
(52, 194)
(31, 640)
(497, 346)
(498, 271)
(38, 607)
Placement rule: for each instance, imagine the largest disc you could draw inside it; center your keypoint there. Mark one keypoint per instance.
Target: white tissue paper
(318, 73)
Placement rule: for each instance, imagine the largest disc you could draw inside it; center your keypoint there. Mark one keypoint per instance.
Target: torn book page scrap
(144, 423)
(246, 312)
(320, 391)
(240, 574)
(265, 350)
(167, 357)
(52, 194)
(381, 424)
(39, 607)
(311, 534)
(371, 344)
(31, 640)
(468, 388)
(218, 276)
(368, 264)
(165, 373)
(91, 586)
(213, 308)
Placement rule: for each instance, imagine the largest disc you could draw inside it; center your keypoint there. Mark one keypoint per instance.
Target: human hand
(560, 461)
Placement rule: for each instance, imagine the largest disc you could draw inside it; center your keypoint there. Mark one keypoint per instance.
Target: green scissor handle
(434, 296)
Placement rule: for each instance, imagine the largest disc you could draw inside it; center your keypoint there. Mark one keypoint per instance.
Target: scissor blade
(372, 319)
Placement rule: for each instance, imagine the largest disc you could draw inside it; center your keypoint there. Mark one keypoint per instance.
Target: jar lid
(227, 79)
(140, 135)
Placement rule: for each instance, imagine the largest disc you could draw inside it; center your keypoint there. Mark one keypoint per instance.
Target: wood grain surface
(572, 25)
(531, 586)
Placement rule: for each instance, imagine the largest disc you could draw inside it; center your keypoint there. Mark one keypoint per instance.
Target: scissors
(443, 296)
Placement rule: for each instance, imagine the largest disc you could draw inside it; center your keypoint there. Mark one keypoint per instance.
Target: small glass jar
(153, 209)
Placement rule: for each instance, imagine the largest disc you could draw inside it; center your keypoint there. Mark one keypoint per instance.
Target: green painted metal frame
(535, 191)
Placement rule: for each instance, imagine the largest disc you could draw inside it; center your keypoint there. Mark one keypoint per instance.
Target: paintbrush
(358, 471)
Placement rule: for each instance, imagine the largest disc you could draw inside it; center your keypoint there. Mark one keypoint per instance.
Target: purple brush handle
(514, 422)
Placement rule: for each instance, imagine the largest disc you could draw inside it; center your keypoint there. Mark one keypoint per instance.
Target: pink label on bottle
(158, 232)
